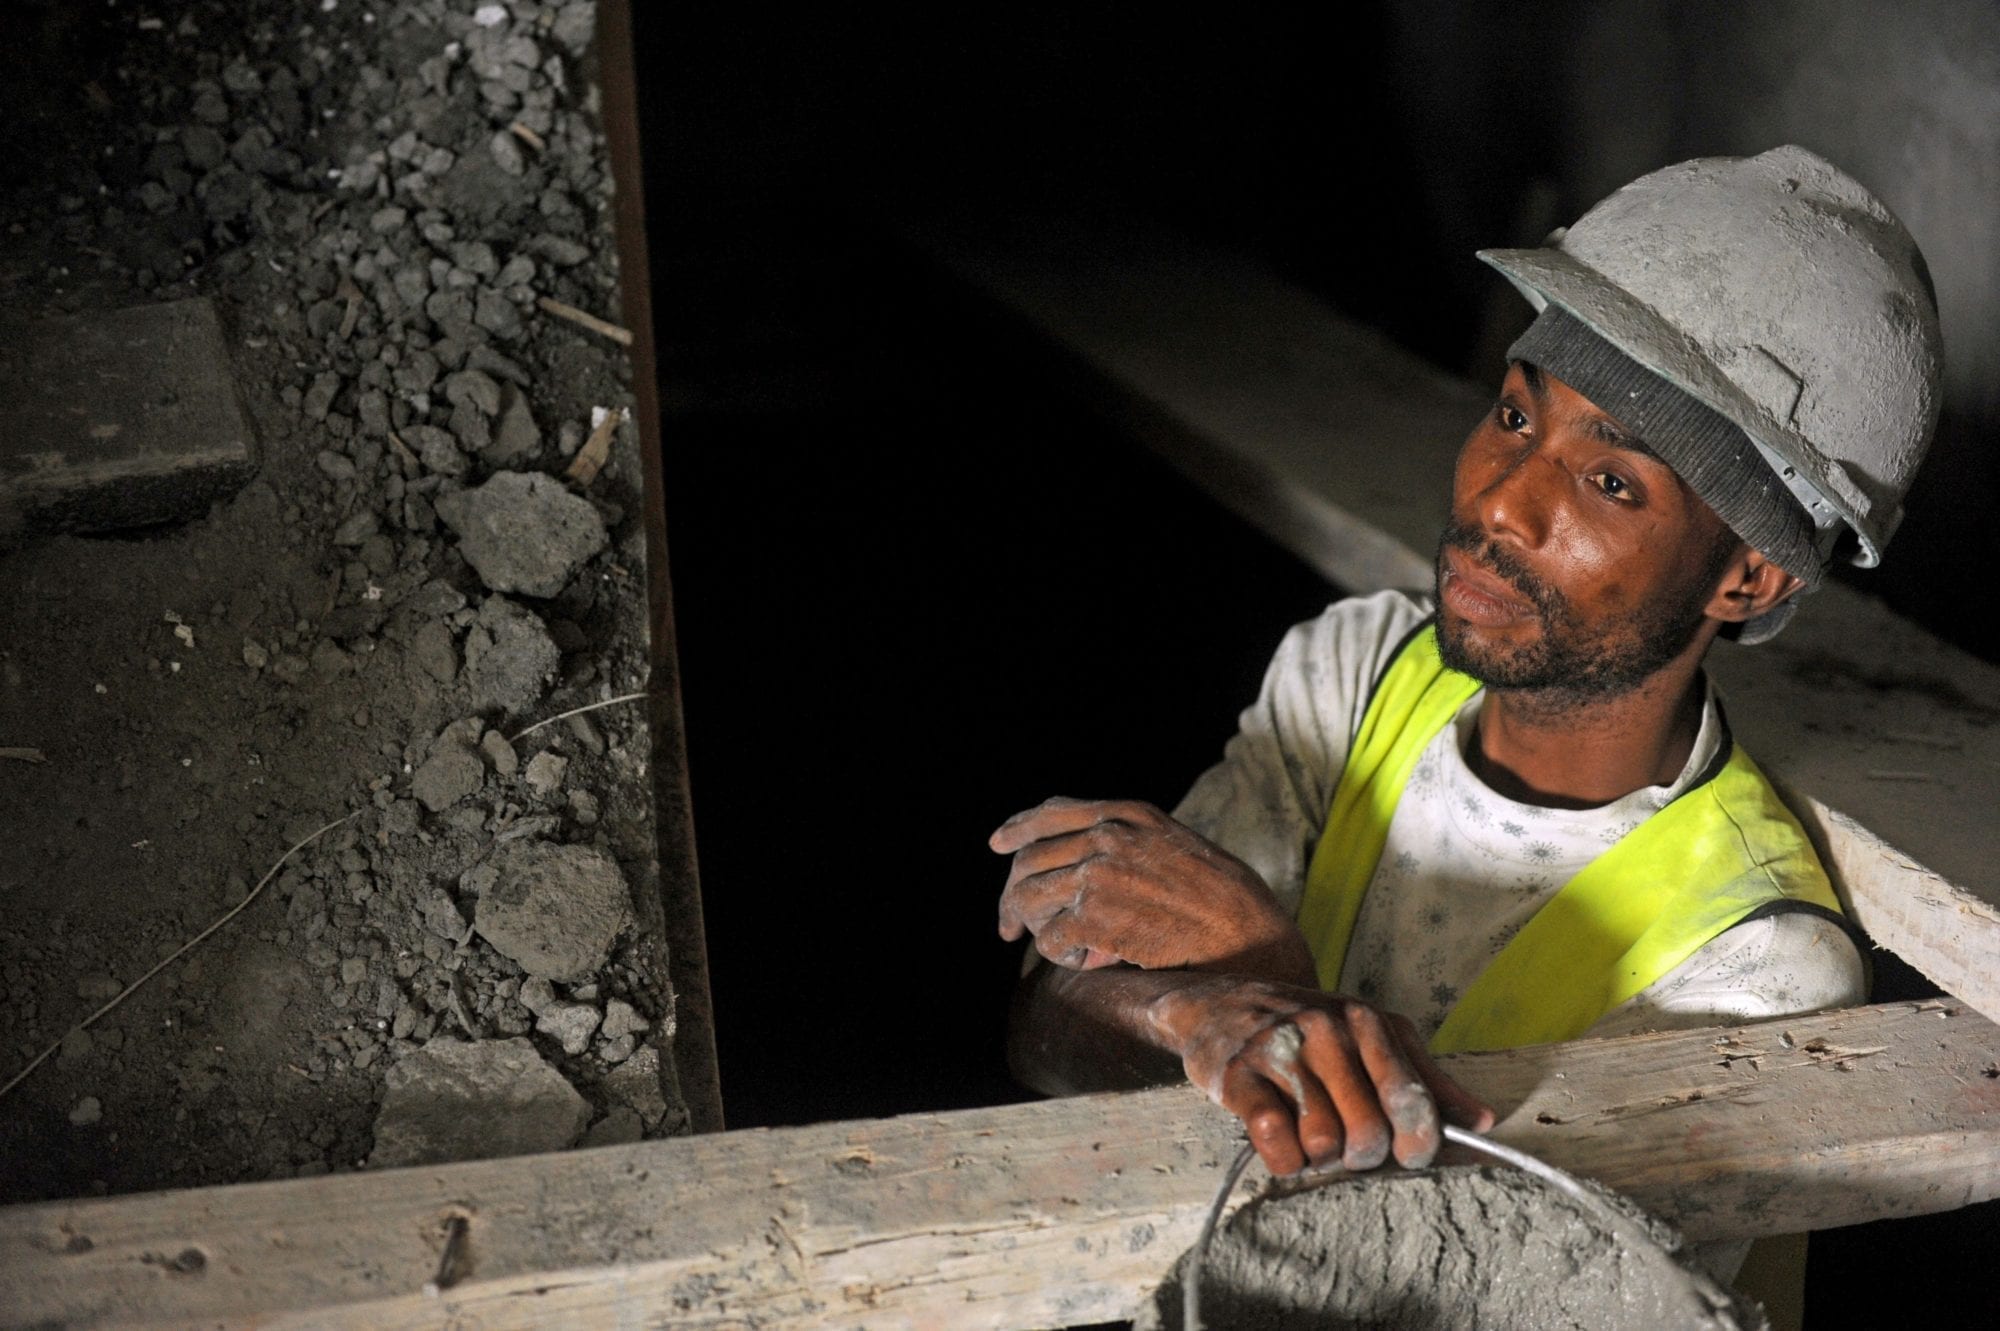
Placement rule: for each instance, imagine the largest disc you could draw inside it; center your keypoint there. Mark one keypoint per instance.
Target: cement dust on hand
(1437, 1250)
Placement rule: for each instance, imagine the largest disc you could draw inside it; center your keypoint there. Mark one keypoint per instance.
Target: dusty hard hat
(1778, 291)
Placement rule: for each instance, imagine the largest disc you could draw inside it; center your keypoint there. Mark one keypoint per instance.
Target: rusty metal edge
(694, 1054)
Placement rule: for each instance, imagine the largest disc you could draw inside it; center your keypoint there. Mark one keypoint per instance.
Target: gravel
(335, 646)
(545, 773)
(616, 1128)
(621, 1018)
(569, 1024)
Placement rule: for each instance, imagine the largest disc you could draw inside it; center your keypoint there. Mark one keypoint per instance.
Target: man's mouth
(1477, 594)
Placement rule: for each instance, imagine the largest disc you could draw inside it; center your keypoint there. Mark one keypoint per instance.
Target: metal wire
(1547, 1173)
(1191, 1272)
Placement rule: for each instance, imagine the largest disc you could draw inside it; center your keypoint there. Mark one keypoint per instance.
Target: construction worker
(1511, 812)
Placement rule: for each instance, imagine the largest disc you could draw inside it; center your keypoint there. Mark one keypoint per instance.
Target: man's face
(1575, 562)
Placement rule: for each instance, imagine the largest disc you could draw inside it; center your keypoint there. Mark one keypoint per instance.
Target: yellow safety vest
(1724, 850)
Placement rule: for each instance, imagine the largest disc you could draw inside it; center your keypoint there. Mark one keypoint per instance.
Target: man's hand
(1315, 1078)
(1098, 882)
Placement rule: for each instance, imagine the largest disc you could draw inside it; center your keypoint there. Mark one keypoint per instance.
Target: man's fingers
(1457, 1104)
(1060, 815)
(1330, 1056)
(1056, 941)
(1069, 922)
(1043, 880)
(1405, 1097)
(1267, 1117)
(1077, 945)
(1033, 901)
(1278, 1053)
(1320, 1134)
(1052, 817)
(1052, 875)
(1051, 853)
(1072, 959)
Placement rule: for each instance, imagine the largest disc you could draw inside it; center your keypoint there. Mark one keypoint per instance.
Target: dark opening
(918, 585)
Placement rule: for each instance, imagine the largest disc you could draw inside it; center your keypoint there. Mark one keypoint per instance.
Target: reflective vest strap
(1719, 853)
(1415, 698)
(1724, 850)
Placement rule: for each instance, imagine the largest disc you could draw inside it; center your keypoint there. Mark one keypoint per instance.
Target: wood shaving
(585, 319)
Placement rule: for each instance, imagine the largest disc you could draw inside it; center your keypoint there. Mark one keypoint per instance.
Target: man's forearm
(1077, 1031)
(1313, 1076)
(1074, 1031)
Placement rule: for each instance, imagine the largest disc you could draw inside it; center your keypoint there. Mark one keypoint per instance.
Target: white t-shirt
(1465, 867)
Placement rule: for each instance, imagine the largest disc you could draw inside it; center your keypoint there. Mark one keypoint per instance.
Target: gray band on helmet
(1706, 450)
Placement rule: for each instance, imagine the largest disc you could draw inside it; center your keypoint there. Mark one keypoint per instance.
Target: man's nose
(1517, 497)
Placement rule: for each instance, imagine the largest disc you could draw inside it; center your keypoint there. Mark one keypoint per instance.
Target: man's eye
(1510, 418)
(1614, 486)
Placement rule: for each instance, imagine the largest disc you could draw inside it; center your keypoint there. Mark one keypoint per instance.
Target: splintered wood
(596, 450)
(1041, 1215)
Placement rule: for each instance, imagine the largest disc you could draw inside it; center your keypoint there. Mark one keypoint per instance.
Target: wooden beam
(1907, 908)
(1041, 1215)
(1340, 446)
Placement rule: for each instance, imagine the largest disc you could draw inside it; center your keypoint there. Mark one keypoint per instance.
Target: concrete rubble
(375, 198)
(451, 1100)
(523, 532)
(553, 910)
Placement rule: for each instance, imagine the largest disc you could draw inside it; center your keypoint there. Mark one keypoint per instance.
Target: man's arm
(1314, 1077)
(1072, 1032)
(1228, 991)
(1097, 884)
(1104, 881)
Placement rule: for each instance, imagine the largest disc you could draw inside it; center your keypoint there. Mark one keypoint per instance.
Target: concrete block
(119, 419)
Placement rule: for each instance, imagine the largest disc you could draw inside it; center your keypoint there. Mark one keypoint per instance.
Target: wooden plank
(1052, 1214)
(118, 419)
(1881, 738)
(1340, 447)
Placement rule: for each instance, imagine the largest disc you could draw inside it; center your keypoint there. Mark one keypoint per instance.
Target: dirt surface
(1446, 1248)
(375, 196)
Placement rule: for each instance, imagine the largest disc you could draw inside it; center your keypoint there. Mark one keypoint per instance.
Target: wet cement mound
(1450, 1248)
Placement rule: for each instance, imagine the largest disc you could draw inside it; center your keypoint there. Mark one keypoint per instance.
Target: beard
(1572, 660)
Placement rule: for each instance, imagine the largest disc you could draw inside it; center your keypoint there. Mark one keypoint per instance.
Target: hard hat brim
(1827, 494)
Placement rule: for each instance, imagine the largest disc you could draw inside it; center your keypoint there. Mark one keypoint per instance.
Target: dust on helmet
(1778, 291)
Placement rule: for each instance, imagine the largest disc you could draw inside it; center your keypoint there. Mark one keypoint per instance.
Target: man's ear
(1750, 585)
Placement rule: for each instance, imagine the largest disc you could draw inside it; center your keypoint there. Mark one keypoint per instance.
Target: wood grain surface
(1059, 1213)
